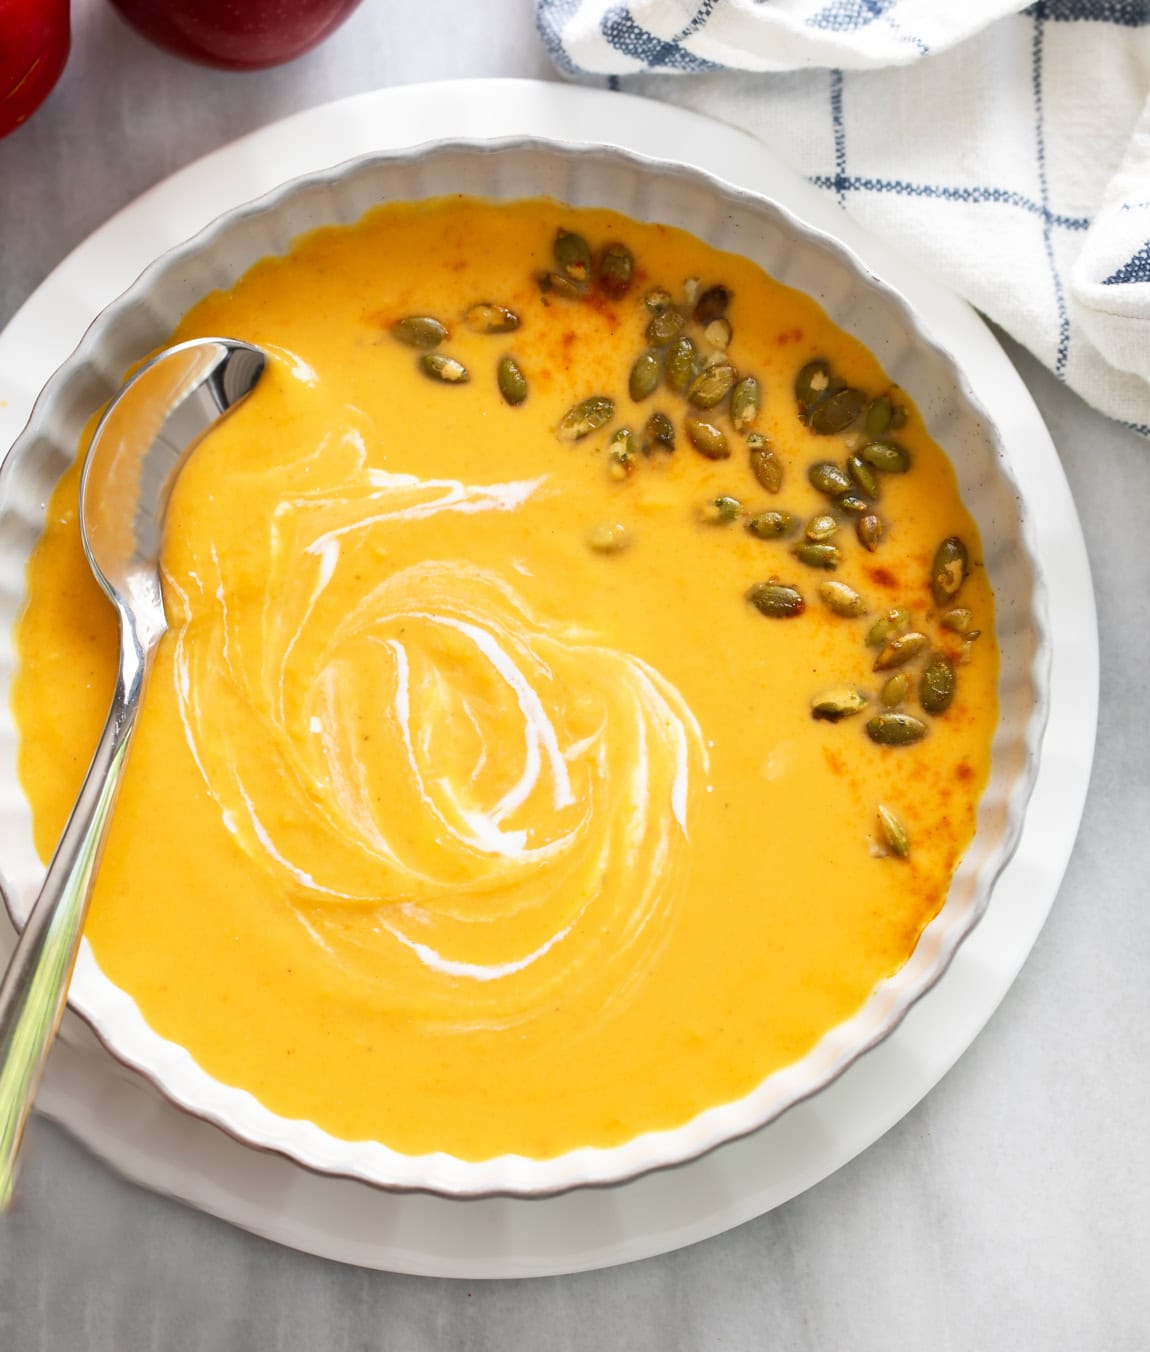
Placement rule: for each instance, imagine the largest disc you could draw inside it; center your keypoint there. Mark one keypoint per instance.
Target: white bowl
(728, 219)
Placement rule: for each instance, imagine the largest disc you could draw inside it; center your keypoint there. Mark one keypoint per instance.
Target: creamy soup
(573, 704)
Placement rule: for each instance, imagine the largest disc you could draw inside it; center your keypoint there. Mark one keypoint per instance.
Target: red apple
(236, 34)
(34, 39)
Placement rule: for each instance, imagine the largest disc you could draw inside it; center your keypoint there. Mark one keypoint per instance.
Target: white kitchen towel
(1006, 149)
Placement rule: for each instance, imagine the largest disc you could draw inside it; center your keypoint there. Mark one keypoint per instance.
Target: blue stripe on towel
(1136, 270)
(949, 193)
(1039, 14)
(619, 28)
(1124, 13)
(845, 16)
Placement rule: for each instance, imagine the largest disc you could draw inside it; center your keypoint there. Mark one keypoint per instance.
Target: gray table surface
(1011, 1209)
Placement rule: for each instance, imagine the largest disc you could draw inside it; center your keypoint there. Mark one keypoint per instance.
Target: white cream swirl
(454, 790)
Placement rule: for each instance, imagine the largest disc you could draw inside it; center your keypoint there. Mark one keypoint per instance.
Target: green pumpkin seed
(818, 556)
(559, 284)
(720, 511)
(658, 298)
(850, 502)
(487, 317)
(949, 570)
(812, 382)
(842, 600)
(776, 600)
(439, 366)
(835, 705)
(712, 385)
(870, 531)
(680, 364)
(893, 832)
(771, 525)
(895, 621)
(821, 527)
(511, 381)
(644, 376)
(718, 334)
(899, 651)
(573, 254)
(746, 401)
(421, 331)
(616, 267)
(609, 537)
(878, 416)
(836, 412)
(865, 479)
(895, 729)
(585, 417)
(712, 305)
(887, 456)
(958, 620)
(765, 464)
(665, 326)
(621, 458)
(895, 690)
(659, 434)
(707, 439)
(829, 479)
(936, 685)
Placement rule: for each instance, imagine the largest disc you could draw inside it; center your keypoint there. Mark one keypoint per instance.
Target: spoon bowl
(140, 445)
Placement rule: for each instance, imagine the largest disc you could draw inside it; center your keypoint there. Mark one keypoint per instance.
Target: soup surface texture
(479, 803)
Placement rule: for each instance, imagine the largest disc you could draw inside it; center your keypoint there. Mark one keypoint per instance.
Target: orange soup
(574, 703)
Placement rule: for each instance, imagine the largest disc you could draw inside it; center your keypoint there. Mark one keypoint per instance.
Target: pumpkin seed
(644, 376)
(878, 416)
(621, 459)
(851, 502)
(511, 381)
(718, 334)
(720, 511)
(559, 284)
(707, 439)
(949, 570)
(487, 317)
(712, 385)
(765, 464)
(936, 685)
(842, 600)
(835, 705)
(712, 305)
(658, 298)
(421, 331)
(609, 537)
(776, 600)
(866, 481)
(616, 267)
(746, 401)
(870, 531)
(958, 620)
(893, 832)
(885, 628)
(664, 326)
(659, 434)
(895, 690)
(836, 412)
(771, 525)
(691, 291)
(439, 366)
(812, 382)
(887, 456)
(899, 651)
(573, 254)
(829, 479)
(895, 729)
(898, 417)
(680, 364)
(821, 527)
(818, 555)
(585, 417)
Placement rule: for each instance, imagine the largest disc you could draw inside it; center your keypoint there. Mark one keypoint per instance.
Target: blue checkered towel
(1008, 149)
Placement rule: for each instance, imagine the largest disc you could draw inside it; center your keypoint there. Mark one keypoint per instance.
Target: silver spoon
(140, 445)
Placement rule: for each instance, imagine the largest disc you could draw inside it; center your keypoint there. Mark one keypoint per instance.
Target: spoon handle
(35, 986)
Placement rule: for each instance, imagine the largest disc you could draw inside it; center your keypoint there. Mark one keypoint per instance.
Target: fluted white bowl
(728, 219)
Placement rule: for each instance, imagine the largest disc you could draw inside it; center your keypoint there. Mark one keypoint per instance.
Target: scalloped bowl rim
(117, 1021)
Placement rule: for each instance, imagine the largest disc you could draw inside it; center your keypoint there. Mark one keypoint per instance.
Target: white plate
(154, 1143)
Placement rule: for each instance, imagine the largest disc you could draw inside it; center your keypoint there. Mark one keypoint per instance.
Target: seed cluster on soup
(579, 689)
